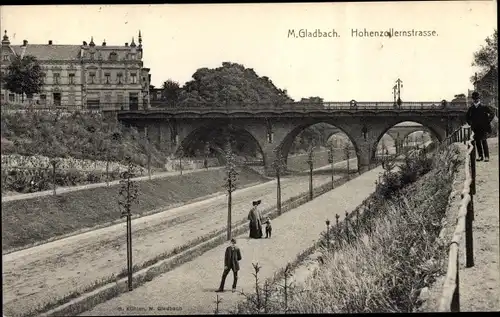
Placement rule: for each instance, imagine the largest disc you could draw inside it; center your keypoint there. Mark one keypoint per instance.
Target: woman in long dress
(255, 221)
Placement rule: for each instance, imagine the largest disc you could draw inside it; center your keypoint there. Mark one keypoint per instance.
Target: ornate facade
(84, 76)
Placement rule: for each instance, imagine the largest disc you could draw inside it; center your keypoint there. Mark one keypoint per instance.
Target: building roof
(49, 52)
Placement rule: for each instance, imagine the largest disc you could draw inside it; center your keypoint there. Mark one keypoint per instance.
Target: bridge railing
(450, 297)
(307, 107)
(229, 107)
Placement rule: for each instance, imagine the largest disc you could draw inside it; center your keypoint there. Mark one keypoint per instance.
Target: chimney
(50, 42)
(126, 44)
(84, 43)
(25, 42)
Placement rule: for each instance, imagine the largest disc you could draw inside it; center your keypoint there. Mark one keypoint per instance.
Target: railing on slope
(450, 298)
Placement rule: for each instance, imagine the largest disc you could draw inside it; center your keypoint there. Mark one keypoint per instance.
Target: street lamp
(399, 85)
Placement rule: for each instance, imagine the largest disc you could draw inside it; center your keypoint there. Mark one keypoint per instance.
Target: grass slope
(299, 162)
(380, 262)
(38, 219)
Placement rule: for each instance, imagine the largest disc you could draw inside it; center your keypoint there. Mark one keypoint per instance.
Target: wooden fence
(450, 297)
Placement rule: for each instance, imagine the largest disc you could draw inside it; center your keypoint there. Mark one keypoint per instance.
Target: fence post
(473, 173)
(347, 226)
(469, 238)
(455, 301)
(469, 217)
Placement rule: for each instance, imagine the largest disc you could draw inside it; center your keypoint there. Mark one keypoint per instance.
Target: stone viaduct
(273, 128)
(397, 132)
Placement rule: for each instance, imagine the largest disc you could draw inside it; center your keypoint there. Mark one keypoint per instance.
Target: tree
(170, 93)
(230, 84)
(312, 101)
(230, 182)
(24, 76)
(486, 58)
(347, 150)
(128, 195)
(279, 167)
(206, 152)
(310, 161)
(180, 154)
(332, 162)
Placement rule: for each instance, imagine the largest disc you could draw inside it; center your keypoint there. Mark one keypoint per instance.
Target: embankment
(41, 218)
(380, 258)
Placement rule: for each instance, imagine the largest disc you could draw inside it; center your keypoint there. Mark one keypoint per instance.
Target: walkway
(49, 271)
(480, 284)
(192, 285)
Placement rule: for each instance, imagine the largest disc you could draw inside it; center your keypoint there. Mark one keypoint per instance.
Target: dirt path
(191, 286)
(480, 284)
(49, 271)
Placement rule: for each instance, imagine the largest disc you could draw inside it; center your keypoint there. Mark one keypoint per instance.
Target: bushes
(413, 167)
(39, 179)
(379, 259)
(78, 140)
(91, 136)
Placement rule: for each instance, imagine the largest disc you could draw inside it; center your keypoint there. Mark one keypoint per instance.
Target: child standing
(269, 229)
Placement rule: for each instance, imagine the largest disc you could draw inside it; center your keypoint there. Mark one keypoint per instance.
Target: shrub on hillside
(91, 136)
(413, 167)
(39, 179)
(379, 262)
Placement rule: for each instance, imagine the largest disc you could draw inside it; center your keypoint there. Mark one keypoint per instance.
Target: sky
(179, 39)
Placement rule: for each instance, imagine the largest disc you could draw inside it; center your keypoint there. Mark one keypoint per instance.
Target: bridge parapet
(325, 106)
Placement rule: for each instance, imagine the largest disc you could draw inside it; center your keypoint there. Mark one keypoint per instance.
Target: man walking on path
(479, 117)
(231, 258)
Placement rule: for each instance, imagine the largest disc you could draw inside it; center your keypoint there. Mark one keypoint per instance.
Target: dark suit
(231, 258)
(479, 119)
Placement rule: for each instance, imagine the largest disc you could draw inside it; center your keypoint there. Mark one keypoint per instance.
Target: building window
(6, 58)
(71, 79)
(56, 78)
(113, 56)
(57, 98)
(71, 100)
(92, 55)
(93, 104)
(2, 97)
(92, 77)
(12, 97)
(119, 76)
(107, 100)
(107, 75)
(119, 100)
(133, 78)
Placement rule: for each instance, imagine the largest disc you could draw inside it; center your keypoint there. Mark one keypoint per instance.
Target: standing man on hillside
(231, 262)
(479, 117)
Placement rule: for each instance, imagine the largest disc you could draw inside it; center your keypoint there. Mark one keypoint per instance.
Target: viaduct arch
(272, 130)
